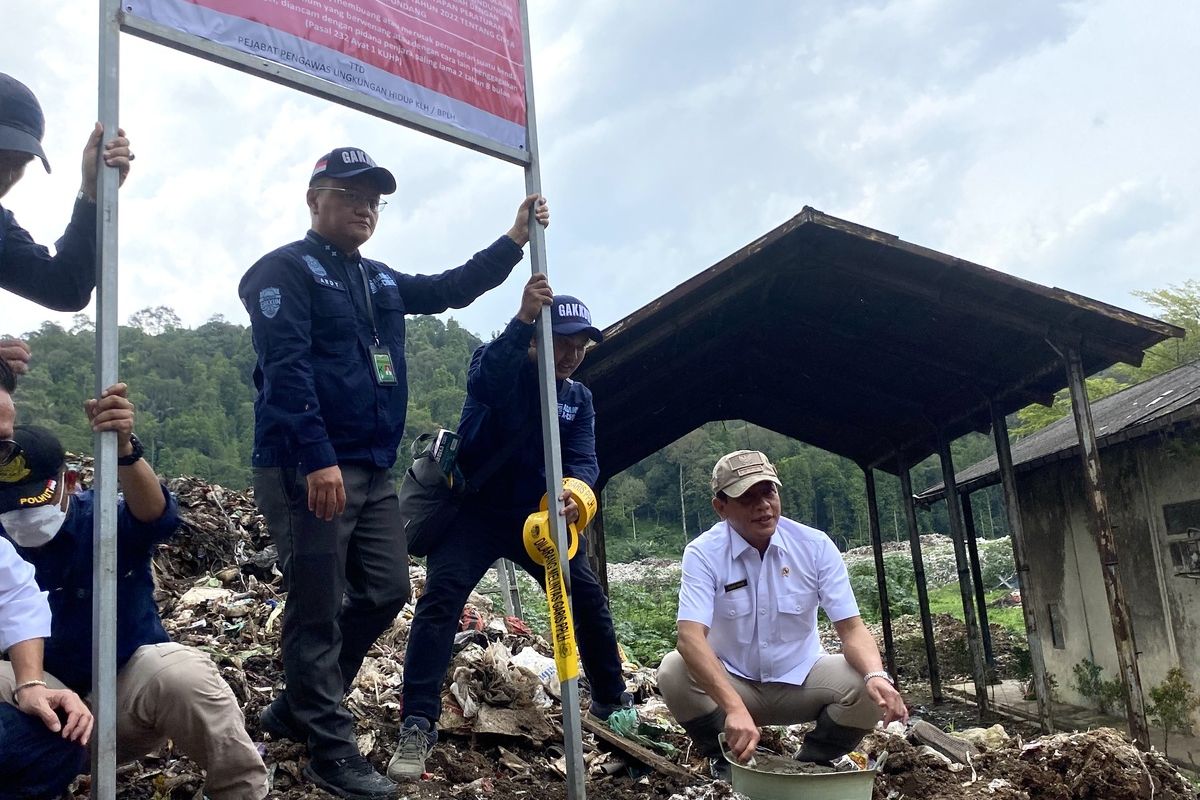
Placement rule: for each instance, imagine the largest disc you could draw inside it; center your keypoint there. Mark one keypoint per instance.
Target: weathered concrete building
(1149, 437)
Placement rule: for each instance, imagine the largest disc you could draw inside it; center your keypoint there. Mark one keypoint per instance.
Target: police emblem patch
(315, 267)
(269, 300)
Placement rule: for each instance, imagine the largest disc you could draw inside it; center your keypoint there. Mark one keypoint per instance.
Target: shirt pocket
(797, 614)
(333, 320)
(737, 609)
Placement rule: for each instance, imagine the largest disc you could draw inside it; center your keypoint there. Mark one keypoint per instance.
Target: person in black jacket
(62, 282)
(328, 328)
(502, 406)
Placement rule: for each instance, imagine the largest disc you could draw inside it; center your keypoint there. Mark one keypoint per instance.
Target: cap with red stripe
(350, 162)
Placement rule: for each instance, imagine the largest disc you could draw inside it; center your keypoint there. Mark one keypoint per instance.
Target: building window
(1183, 537)
(1056, 631)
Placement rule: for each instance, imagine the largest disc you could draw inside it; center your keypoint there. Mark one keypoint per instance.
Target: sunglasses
(8, 451)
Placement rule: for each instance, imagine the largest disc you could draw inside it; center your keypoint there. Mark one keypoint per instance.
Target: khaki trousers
(832, 685)
(171, 691)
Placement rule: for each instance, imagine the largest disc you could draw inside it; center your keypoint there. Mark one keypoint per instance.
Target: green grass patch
(948, 600)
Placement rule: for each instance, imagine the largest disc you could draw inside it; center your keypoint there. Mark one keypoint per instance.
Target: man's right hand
(326, 493)
(41, 702)
(741, 735)
(536, 295)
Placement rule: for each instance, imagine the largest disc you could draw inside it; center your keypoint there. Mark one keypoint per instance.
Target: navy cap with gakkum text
(349, 162)
(568, 316)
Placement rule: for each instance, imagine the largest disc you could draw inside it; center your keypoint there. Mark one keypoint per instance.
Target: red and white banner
(458, 62)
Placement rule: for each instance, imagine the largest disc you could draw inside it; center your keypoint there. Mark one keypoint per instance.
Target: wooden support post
(1016, 532)
(918, 561)
(597, 554)
(885, 611)
(954, 509)
(977, 580)
(1100, 526)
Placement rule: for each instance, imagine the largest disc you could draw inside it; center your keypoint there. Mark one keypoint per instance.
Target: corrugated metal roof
(846, 338)
(1148, 407)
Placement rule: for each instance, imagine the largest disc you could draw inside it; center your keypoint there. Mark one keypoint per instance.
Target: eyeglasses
(355, 198)
(8, 451)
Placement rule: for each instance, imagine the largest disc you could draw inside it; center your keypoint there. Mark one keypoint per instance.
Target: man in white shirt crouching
(748, 653)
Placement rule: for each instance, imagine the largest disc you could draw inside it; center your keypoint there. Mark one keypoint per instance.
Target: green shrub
(1089, 683)
(1173, 702)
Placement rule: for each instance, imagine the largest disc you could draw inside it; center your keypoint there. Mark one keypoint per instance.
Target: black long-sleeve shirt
(63, 281)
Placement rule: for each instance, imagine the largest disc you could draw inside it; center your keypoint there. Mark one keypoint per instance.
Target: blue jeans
(475, 541)
(35, 762)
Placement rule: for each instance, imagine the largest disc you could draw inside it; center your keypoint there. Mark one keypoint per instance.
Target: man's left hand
(569, 510)
(16, 353)
(888, 699)
(116, 154)
(113, 411)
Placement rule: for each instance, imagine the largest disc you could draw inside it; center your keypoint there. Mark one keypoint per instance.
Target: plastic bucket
(758, 784)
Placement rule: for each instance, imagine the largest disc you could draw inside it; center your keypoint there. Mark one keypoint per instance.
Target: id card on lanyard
(381, 357)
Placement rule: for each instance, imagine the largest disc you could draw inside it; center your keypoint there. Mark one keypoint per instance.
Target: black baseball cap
(569, 316)
(31, 478)
(347, 162)
(22, 124)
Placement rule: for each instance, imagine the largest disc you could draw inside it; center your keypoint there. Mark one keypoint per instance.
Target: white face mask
(34, 527)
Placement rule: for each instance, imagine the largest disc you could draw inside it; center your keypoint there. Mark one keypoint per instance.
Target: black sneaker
(353, 778)
(277, 720)
(603, 711)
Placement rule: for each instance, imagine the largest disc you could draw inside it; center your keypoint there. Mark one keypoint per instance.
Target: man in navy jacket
(503, 403)
(165, 690)
(328, 327)
(64, 281)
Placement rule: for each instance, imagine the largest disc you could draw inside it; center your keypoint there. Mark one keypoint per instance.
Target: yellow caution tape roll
(541, 547)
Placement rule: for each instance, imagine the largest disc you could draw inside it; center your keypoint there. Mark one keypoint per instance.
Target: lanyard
(370, 305)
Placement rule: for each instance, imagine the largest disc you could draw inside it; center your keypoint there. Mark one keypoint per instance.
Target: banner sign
(455, 62)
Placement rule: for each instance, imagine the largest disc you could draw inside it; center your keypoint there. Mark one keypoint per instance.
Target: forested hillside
(194, 393)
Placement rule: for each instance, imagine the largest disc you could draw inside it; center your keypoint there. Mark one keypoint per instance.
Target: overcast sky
(1054, 141)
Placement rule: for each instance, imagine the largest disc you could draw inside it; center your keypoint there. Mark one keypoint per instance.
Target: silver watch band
(879, 674)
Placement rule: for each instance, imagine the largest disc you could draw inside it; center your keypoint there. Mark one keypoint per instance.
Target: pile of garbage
(218, 590)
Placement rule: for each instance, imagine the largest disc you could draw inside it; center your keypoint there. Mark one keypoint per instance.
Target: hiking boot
(352, 777)
(952, 747)
(416, 740)
(602, 711)
(277, 719)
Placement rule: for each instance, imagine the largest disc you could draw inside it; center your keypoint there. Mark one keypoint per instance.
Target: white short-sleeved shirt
(762, 612)
(24, 610)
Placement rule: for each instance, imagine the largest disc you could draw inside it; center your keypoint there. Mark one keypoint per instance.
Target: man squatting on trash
(328, 328)
(39, 754)
(165, 690)
(503, 402)
(748, 653)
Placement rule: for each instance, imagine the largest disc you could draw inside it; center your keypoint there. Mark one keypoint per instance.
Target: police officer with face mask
(164, 690)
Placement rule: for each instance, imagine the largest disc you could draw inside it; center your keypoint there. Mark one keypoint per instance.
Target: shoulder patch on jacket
(269, 301)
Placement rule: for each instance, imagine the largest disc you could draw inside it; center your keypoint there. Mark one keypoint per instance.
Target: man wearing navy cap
(165, 690)
(328, 328)
(502, 413)
(63, 282)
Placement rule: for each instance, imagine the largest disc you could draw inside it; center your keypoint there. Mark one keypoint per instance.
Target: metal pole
(885, 610)
(505, 587)
(1101, 528)
(1016, 531)
(104, 531)
(954, 509)
(571, 722)
(977, 580)
(918, 561)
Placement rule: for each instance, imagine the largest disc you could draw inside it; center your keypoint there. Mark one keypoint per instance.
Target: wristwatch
(879, 674)
(134, 456)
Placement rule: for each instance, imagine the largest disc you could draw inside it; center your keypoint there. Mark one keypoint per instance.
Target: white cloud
(1053, 141)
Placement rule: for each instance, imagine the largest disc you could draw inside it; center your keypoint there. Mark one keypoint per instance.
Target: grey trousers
(832, 685)
(346, 581)
(171, 691)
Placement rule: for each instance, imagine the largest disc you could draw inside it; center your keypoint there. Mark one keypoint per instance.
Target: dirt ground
(218, 592)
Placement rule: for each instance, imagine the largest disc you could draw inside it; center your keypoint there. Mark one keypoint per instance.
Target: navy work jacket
(503, 402)
(64, 571)
(63, 282)
(318, 401)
